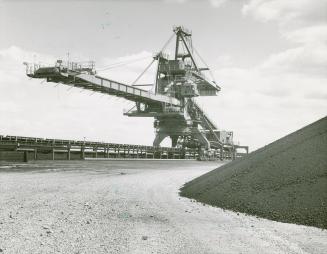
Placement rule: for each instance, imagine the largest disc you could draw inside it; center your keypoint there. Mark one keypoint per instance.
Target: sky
(268, 56)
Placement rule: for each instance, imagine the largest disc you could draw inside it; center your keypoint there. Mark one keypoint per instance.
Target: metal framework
(178, 81)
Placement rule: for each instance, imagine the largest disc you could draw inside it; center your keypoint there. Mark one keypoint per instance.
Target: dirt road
(130, 207)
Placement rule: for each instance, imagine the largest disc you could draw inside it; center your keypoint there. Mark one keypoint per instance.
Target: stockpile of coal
(284, 181)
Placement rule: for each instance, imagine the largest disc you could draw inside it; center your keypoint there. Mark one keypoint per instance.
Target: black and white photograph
(163, 126)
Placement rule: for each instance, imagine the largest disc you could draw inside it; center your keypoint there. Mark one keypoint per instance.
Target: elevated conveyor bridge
(87, 79)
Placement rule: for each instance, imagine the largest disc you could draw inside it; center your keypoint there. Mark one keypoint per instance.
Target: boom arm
(77, 77)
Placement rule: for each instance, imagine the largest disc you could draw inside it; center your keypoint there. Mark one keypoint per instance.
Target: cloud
(300, 21)
(302, 60)
(217, 3)
(315, 34)
(287, 12)
(304, 24)
(176, 1)
(213, 3)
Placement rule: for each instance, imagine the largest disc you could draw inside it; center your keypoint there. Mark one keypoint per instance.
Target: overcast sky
(269, 57)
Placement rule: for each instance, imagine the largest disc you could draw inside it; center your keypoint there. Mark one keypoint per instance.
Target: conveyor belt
(102, 85)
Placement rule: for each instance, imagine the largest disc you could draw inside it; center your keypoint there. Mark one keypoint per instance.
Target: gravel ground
(130, 207)
(284, 181)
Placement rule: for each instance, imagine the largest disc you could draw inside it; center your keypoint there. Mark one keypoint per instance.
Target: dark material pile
(283, 181)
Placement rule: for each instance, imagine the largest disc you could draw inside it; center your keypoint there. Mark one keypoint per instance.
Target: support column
(68, 152)
(25, 156)
(82, 152)
(35, 154)
(95, 155)
(233, 153)
(221, 153)
(53, 154)
(159, 137)
(174, 141)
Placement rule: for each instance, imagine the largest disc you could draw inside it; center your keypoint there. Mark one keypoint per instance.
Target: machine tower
(172, 102)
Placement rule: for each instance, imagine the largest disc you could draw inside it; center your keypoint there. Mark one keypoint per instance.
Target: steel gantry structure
(172, 103)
